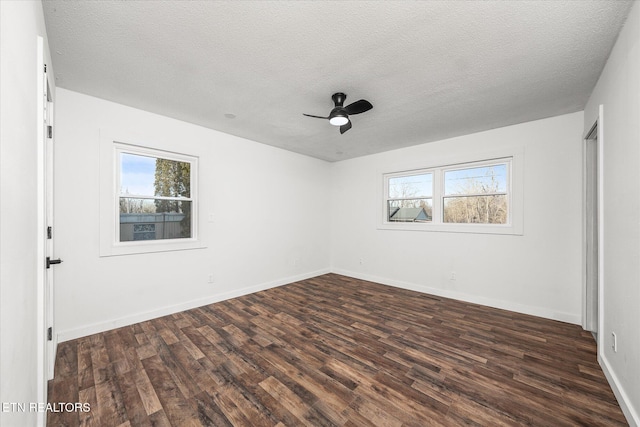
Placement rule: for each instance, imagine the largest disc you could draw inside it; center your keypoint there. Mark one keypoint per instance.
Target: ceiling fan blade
(317, 117)
(345, 127)
(358, 107)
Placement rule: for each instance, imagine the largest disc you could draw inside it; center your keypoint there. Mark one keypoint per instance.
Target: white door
(46, 345)
(50, 260)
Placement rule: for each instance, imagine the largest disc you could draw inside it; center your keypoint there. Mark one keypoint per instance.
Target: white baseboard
(95, 328)
(630, 413)
(490, 302)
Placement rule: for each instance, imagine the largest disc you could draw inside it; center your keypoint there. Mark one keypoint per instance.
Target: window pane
(486, 179)
(476, 209)
(149, 219)
(410, 210)
(151, 176)
(172, 178)
(137, 174)
(411, 186)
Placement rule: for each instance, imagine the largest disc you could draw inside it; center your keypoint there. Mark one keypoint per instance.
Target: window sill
(455, 228)
(149, 247)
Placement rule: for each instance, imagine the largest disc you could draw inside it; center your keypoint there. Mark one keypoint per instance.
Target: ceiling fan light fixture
(339, 119)
(339, 116)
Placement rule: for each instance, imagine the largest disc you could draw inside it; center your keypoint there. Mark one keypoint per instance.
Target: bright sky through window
(137, 175)
(411, 186)
(488, 179)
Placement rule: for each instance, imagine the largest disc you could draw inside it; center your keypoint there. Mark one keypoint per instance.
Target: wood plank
(133, 403)
(110, 404)
(63, 389)
(174, 403)
(148, 396)
(88, 418)
(85, 366)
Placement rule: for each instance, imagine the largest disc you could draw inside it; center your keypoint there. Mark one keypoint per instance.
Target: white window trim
(515, 225)
(110, 244)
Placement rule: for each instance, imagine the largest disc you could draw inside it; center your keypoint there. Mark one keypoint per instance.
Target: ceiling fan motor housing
(338, 99)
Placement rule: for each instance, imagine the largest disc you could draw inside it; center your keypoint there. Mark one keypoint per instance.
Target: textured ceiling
(432, 69)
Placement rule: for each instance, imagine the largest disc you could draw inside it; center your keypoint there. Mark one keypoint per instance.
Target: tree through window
(476, 195)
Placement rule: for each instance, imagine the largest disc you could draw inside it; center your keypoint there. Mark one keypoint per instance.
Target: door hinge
(50, 334)
(49, 132)
(45, 68)
(49, 232)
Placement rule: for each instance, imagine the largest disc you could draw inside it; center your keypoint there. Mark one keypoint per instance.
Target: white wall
(271, 224)
(538, 272)
(618, 90)
(20, 24)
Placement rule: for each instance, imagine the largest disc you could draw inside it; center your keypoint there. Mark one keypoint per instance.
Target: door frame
(597, 126)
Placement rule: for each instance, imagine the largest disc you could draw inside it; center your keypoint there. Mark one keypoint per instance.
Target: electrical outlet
(210, 279)
(452, 276)
(614, 342)
(361, 261)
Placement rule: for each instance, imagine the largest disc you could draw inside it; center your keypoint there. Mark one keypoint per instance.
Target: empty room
(319, 213)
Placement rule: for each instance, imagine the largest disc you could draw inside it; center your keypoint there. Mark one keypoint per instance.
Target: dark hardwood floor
(336, 351)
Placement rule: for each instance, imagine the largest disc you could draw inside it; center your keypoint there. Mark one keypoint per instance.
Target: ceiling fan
(339, 116)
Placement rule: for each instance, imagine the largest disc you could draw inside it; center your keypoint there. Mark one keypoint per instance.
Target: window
(476, 195)
(410, 198)
(154, 200)
(462, 197)
(148, 199)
